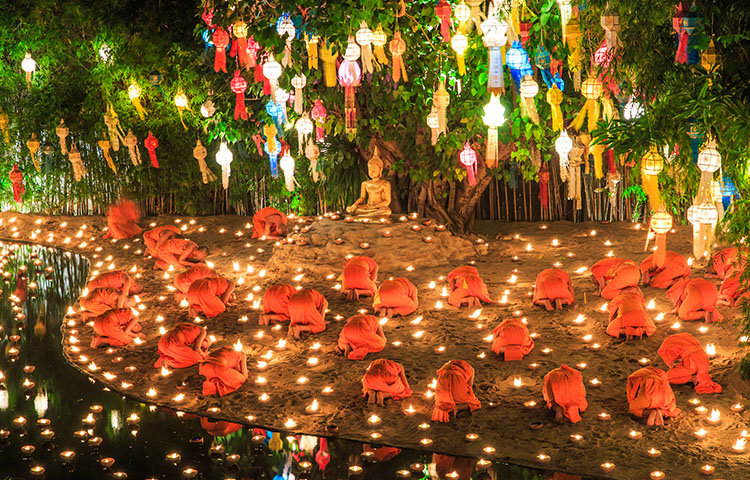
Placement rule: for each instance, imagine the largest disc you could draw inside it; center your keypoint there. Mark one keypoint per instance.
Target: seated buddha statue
(375, 198)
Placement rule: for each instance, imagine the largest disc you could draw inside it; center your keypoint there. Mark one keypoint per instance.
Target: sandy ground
(503, 422)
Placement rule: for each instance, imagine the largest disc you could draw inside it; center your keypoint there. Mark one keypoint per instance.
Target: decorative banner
(221, 42)
(131, 141)
(319, 114)
(16, 178)
(329, 64)
(105, 145)
(443, 12)
(398, 48)
(74, 156)
(555, 98)
(238, 84)
(134, 93)
(152, 143)
(62, 132)
(33, 145)
(468, 158)
(112, 121)
(200, 154)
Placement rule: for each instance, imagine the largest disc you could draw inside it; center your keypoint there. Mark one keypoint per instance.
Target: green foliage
(744, 368)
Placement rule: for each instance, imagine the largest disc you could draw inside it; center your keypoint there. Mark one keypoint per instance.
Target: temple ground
(291, 380)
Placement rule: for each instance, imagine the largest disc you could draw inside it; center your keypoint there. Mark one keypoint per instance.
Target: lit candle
(700, 433)
(373, 419)
(608, 466)
(604, 416)
(737, 407)
(174, 457)
(739, 445)
(543, 458)
(489, 450)
(313, 407)
(107, 462)
(425, 442)
(575, 437)
(653, 452)
(635, 434)
(656, 475)
(707, 469)
(715, 417)
(701, 410)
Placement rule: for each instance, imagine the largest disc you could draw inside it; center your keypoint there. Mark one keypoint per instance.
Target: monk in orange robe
(395, 297)
(650, 395)
(100, 300)
(276, 304)
(179, 253)
(565, 394)
(688, 362)
(628, 316)
(183, 346)
(553, 287)
(152, 238)
(307, 310)
(732, 291)
(269, 223)
(225, 370)
(118, 279)
(603, 270)
(381, 454)
(122, 220)
(210, 296)
(455, 390)
(220, 428)
(116, 328)
(675, 269)
(467, 288)
(359, 277)
(722, 261)
(448, 464)
(695, 298)
(511, 338)
(361, 335)
(385, 379)
(183, 281)
(625, 278)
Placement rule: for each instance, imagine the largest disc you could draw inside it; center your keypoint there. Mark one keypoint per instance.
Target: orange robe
(688, 362)
(465, 282)
(445, 464)
(360, 334)
(20, 291)
(183, 281)
(122, 219)
(602, 271)
(100, 300)
(222, 369)
(169, 251)
(260, 219)
(276, 300)
(386, 376)
(675, 269)
(553, 284)
(116, 279)
(693, 297)
(454, 387)
(360, 273)
(648, 388)
(204, 296)
(512, 339)
(722, 261)
(381, 454)
(732, 290)
(110, 327)
(308, 307)
(220, 428)
(176, 346)
(564, 386)
(152, 238)
(624, 278)
(628, 316)
(398, 294)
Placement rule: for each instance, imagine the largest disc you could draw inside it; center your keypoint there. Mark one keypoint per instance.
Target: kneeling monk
(625, 278)
(122, 218)
(100, 300)
(183, 346)
(732, 291)
(512, 339)
(152, 238)
(628, 316)
(650, 395)
(454, 391)
(565, 394)
(276, 304)
(210, 296)
(723, 261)
(118, 279)
(361, 335)
(183, 281)
(395, 297)
(695, 298)
(603, 270)
(307, 310)
(385, 379)
(116, 327)
(553, 287)
(359, 277)
(467, 288)
(675, 269)
(688, 362)
(179, 253)
(225, 370)
(269, 223)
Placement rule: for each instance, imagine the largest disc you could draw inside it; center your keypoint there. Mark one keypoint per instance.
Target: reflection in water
(55, 422)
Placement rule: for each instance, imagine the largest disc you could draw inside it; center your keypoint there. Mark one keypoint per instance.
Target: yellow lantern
(462, 12)
(709, 58)
(591, 89)
(494, 116)
(651, 165)
(181, 102)
(661, 223)
(460, 43)
(379, 40)
(134, 92)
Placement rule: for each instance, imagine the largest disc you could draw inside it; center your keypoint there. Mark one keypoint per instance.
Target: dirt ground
(503, 423)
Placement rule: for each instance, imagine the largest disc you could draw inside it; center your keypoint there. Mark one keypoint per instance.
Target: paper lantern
(298, 82)
(462, 13)
(555, 98)
(494, 39)
(105, 53)
(304, 128)
(441, 99)
(238, 84)
(74, 156)
(364, 38)
(651, 165)
(379, 39)
(707, 214)
(709, 159)
(273, 149)
(287, 166)
(475, 7)
(709, 58)
(134, 93)
(433, 121)
(200, 153)
(152, 143)
(16, 178)
(398, 48)
(112, 121)
(518, 61)
(276, 111)
(131, 141)
(312, 152)
(220, 39)
(468, 158)
(239, 46)
(286, 28)
(529, 89)
(610, 21)
(28, 65)
(272, 71)
(62, 132)
(566, 11)
(349, 77)
(524, 32)
(494, 116)
(563, 146)
(155, 79)
(4, 122)
(543, 60)
(33, 146)
(207, 108)
(692, 214)
(224, 158)
(443, 12)
(311, 43)
(591, 89)
(319, 114)
(661, 223)
(632, 110)
(460, 43)
(181, 102)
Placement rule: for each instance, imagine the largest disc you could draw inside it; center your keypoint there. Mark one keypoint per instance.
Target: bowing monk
(511, 339)
(210, 296)
(467, 288)
(602, 271)
(118, 279)
(628, 316)
(553, 287)
(225, 370)
(361, 335)
(650, 396)
(723, 261)
(359, 277)
(695, 298)
(565, 394)
(152, 238)
(624, 278)
(179, 253)
(269, 223)
(276, 304)
(454, 391)
(183, 346)
(675, 269)
(688, 363)
(100, 300)
(385, 379)
(122, 220)
(116, 328)
(183, 281)
(732, 290)
(395, 297)
(307, 310)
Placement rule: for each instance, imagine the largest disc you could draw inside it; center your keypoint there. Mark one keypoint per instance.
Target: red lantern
(16, 176)
(468, 158)
(443, 11)
(524, 29)
(319, 114)
(239, 85)
(221, 40)
(208, 15)
(252, 49)
(151, 142)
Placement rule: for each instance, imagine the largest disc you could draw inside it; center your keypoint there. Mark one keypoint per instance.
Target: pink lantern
(468, 158)
(319, 114)
(443, 11)
(238, 86)
(151, 143)
(349, 75)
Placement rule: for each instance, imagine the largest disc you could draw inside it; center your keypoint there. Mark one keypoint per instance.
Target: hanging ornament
(660, 224)
(494, 116)
(220, 39)
(603, 57)
(689, 24)
(272, 148)
(544, 187)
(379, 39)
(349, 77)
(62, 132)
(33, 145)
(460, 43)
(134, 92)
(298, 82)
(208, 15)
(632, 110)
(709, 58)
(311, 42)
(200, 153)
(281, 98)
(207, 43)
(397, 47)
(239, 46)
(468, 158)
(524, 32)
(276, 113)
(597, 151)
(543, 60)
(238, 84)
(112, 121)
(364, 39)
(555, 98)
(610, 21)
(287, 166)
(304, 128)
(181, 102)
(575, 159)
(155, 79)
(443, 12)
(286, 27)
(312, 152)
(352, 52)
(462, 14)
(441, 99)
(566, 11)
(529, 89)
(131, 141)
(328, 56)
(74, 156)
(4, 122)
(272, 71)
(518, 62)
(319, 115)
(433, 121)
(651, 165)
(494, 39)
(591, 89)
(207, 108)
(152, 143)
(28, 65)
(696, 139)
(563, 146)
(105, 145)
(16, 178)
(476, 14)
(575, 58)
(224, 158)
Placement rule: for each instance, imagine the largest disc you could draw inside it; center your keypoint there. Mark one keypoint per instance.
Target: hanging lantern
(272, 148)
(460, 43)
(16, 178)
(155, 79)
(319, 115)
(441, 99)
(494, 39)
(709, 58)
(131, 141)
(566, 11)
(475, 7)
(329, 57)
(287, 28)
(312, 152)
(62, 132)
(281, 97)
(661, 223)
(575, 59)
(287, 166)
(304, 128)
(597, 151)
(181, 102)
(462, 13)
(200, 153)
(524, 32)
(311, 43)
(276, 111)
(518, 61)
(443, 12)
(112, 121)
(349, 75)
(610, 21)
(468, 158)
(33, 145)
(224, 158)
(543, 60)
(352, 52)
(707, 213)
(563, 146)
(151, 143)
(398, 48)
(364, 39)
(4, 122)
(105, 145)
(28, 65)
(207, 108)
(220, 39)
(591, 89)
(529, 89)
(433, 121)
(74, 156)
(298, 82)
(651, 165)
(105, 54)
(239, 46)
(494, 116)
(272, 71)
(709, 159)
(555, 98)
(379, 39)
(134, 93)
(602, 56)
(238, 84)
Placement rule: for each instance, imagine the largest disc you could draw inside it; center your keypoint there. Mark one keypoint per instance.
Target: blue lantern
(276, 111)
(273, 156)
(543, 60)
(728, 191)
(518, 62)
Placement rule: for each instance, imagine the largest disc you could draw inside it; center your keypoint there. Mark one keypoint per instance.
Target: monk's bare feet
(559, 417)
(372, 397)
(546, 304)
(707, 317)
(192, 312)
(655, 417)
(558, 304)
(351, 294)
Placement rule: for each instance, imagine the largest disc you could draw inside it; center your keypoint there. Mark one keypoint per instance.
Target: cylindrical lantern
(494, 116)
(563, 146)
(224, 158)
(62, 132)
(494, 39)
(398, 48)
(298, 82)
(661, 223)
(468, 158)
(152, 143)
(28, 65)
(433, 121)
(287, 166)
(529, 89)
(304, 128)
(238, 84)
(460, 43)
(364, 39)
(134, 93)
(272, 71)
(651, 165)
(349, 76)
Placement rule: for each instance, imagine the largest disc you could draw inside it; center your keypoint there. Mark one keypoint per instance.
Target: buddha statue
(375, 198)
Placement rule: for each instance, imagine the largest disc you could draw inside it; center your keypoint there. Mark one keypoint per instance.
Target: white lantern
(298, 82)
(28, 64)
(462, 12)
(304, 128)
(272, 71)
(494, 116)
(433, 121)
(632, 110)
(224, 158)
(707, 214)
(709, 159)
(364, 38)
(287, 166)
(281, 96)
(692, 214)
(287, 28)
(563, 146)
(529, 89)
(460, 43)
(105, 53)
(352, 51)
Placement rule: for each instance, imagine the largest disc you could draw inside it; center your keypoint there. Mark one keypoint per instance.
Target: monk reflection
(375, 197)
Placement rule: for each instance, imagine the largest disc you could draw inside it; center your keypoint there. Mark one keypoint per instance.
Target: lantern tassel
(597, 150)
(225, 171)
(18, 191)
(590, 109)
(554, 98)
(105, 145)
(240, 111)
(399, 70)
(491, 157)
(139, 108)
(329, 65)
(531, 109)
(380, 55)
(368, 66)
(312, 52)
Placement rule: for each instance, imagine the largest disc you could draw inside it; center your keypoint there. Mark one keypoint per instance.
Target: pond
(57, 423)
